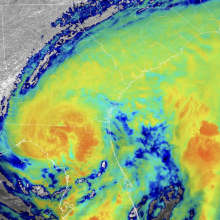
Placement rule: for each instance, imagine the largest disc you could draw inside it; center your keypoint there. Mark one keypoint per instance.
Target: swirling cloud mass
(118, 119)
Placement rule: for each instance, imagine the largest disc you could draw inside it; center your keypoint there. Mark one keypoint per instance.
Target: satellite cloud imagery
(110, 109)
